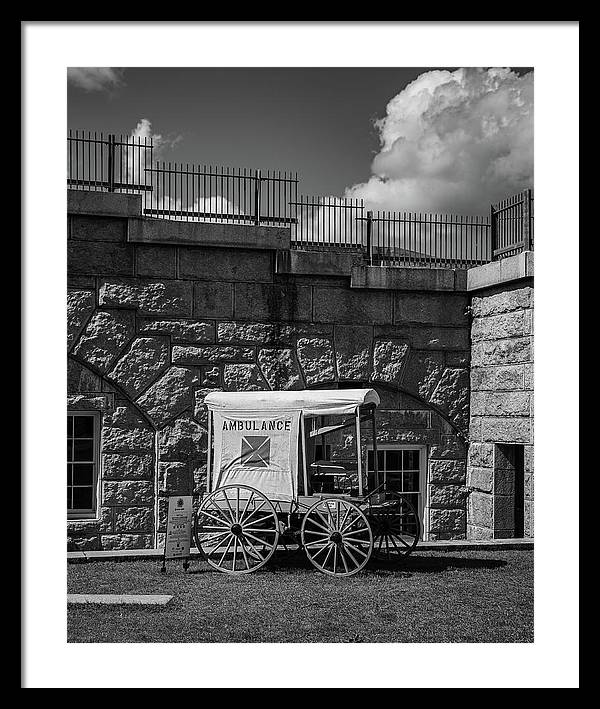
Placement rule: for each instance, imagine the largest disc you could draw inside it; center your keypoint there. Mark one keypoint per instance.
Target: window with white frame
(402, 468)
(82, 464)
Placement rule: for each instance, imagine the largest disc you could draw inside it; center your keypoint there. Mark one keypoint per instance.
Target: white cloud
(133, 160)
(453, 142)
(216, 204)
(144, 130)
(99, 78)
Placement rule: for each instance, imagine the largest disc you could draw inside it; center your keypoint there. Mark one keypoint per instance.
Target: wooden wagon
(270, 484)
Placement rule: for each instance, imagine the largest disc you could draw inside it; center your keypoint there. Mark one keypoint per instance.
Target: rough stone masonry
(501, 404)
(160, 313)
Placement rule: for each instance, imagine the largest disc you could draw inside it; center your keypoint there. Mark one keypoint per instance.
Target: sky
(415, 139)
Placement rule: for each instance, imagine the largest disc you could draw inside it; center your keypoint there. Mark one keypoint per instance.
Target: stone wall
(501, 402)
(159, 325)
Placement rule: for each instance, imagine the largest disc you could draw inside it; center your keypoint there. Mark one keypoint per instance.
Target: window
(403, 469)
(82, 464)
(322, 451)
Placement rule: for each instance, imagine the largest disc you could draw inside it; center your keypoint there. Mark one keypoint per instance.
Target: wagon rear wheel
(337, 537)
(236, 529)
(395, 524)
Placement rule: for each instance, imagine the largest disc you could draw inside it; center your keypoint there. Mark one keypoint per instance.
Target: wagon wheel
(395, 524)
(236, 529)
(337, 537)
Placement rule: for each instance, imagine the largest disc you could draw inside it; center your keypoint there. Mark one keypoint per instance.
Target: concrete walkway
(117, 599)
(75, 557)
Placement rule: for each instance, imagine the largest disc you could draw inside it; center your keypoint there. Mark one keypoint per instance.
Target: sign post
(179, 530)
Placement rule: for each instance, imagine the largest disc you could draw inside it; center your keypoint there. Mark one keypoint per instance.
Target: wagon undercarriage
(238, 529)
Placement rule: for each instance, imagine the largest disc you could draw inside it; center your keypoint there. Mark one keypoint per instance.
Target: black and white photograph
(298, 299)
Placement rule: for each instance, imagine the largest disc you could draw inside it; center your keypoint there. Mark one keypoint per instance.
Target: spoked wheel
(236, 529)
(395, 524)
(337, 537)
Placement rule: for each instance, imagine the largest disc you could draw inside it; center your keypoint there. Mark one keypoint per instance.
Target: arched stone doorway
(423, 451)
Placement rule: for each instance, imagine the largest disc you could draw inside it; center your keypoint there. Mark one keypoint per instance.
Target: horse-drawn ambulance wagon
(270, 484)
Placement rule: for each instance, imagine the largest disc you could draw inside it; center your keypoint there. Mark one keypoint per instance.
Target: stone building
(500, 465)
(162, 312)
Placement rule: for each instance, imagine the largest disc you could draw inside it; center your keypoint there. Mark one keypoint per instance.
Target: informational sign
(179, 527)
(259, 450)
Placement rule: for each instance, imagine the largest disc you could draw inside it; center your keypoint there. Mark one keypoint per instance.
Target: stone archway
(126, 512)
(404, 419)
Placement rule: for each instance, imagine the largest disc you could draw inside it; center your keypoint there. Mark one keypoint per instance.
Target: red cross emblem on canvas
(256, 451)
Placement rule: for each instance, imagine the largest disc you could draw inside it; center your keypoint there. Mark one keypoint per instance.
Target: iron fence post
(370, 237)
(492, 233)
(111, 163)
(527, 220)
(257, 198)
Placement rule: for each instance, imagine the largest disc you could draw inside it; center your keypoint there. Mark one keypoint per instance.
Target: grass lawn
(437, 596)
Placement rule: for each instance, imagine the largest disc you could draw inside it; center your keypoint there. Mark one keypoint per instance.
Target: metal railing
(97, 161)
(328, 222)
(415, 239)
(512, 225)
(194, 193)
(391, 238)
(426, 240)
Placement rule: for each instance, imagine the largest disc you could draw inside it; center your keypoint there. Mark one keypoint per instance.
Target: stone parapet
(409, 278)
(230, 236)
(502, 272)
(103, 204)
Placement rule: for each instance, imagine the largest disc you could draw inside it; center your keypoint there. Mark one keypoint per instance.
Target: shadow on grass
(444, 562)
(296, 561)
(204, 569)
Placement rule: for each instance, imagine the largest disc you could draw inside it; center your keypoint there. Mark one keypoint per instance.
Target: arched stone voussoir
(422, 373)
(80, 306)
(142, 363)
(354, 352)
(316, 359)
(447, 423)
(80, 378)
(104, 337)
(451, 396)
(280, 368)
(170, 395)
(389, 359)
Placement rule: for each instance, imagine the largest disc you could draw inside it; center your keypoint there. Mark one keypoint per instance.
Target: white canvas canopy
(256, 435)
(312, 402)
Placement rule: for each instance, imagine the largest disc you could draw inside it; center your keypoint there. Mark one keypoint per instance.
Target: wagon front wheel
(236, 529)
(337, 537)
